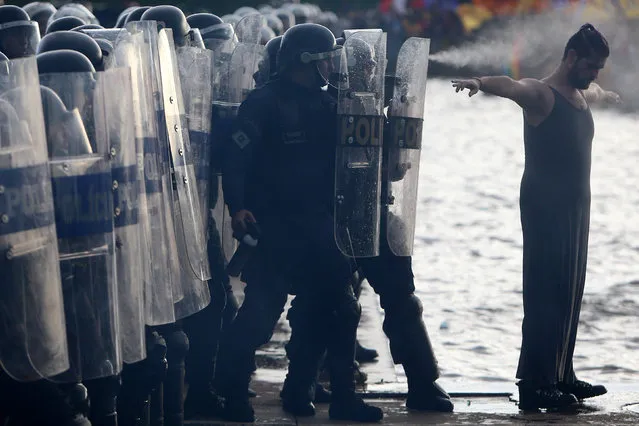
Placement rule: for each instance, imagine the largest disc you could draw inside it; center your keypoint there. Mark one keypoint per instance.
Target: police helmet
(301, 13)
(170, 17)
(119, 23)
(287, 18)
(19, 36)
(274, 23)
(74, 9)
(77, 41)
(203, 20)
(266, 34)
(63, 61)
(267, 67)
(309, 44)
(245, 10)
(64, 24)
(265, 8)
(136, 14)
(40, 12)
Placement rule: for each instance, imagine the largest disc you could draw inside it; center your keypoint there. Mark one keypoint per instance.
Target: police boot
(43, 403)
(363, 354)
(428, 397)
(297, 398)
(345, 403)
(237, 405)
(177, 348)
(322, 395)
(139, 380)
(204, 330)
(103, 395)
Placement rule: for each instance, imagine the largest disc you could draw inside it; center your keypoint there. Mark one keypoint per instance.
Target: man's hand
(612, 97)
(473, 85)
(240, 221)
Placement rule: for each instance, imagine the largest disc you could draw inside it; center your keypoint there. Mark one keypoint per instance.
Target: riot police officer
(390, 274)
(276, 166)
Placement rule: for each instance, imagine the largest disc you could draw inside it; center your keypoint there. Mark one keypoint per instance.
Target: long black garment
(555, 219)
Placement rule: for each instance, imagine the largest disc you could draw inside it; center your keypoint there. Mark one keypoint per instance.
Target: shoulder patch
(241, 139)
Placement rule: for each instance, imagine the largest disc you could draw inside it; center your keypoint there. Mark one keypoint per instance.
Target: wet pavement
(475, 403)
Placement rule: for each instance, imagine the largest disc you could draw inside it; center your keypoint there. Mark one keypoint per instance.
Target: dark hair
(587, 41)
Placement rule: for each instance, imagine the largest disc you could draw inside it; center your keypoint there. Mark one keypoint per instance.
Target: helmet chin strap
(320, 78)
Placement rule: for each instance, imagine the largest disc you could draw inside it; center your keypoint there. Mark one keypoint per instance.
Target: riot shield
(359, 145)
(194, 67)
(234, 66)
(80, 162)
(190, 235)
(33, 341)
(132, 48)
(248, 29)
(405, 116)
(129, 209)
(187, 223)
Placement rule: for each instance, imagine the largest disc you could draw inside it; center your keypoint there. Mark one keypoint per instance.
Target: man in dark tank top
(555, 214)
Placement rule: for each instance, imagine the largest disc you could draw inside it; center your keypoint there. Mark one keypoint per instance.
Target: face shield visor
(328, 64)
(19, 39)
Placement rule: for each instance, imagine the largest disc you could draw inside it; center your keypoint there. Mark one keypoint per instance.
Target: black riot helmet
(19, 36)
(63, 128)
(136, 14)
(301, 13)
(64, 24)
(244, 11)
(287, 18)
(77, 41)
(306, 44)
(63, 61)
(266, 34)
(213, 30)
(274, 23)
(40, 12)
(170, 17)
(119, 23)
(267, 68)
(203, 20)
(75, 9)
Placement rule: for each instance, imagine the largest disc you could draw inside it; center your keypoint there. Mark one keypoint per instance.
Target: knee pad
(407, 306)
(349, 312)
(177, 343)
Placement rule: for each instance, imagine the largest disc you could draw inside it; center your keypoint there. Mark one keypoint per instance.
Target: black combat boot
(428, 397)
(363, 354)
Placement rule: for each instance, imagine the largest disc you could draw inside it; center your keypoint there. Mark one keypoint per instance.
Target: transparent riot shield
(248, 29)
(134, 47)
(232, 82)
(359, 145)
(33, 341)
(404, 142)
(129, 209)
(190, 235)
(80, 163)
(187, 214)
(194, 65)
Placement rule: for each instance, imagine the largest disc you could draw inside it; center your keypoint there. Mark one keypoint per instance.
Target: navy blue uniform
(279, 165)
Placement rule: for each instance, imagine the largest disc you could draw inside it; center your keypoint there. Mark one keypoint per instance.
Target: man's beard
(577, 82)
